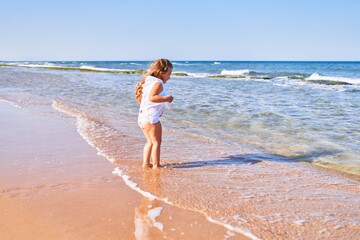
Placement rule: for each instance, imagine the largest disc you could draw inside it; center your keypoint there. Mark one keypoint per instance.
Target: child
(150, 94)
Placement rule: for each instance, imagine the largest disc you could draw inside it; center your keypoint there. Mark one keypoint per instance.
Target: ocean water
(242, 142)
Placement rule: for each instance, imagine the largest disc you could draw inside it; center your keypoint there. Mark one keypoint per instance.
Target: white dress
(151, 111)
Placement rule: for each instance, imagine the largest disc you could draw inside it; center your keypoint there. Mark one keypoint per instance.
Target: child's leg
(147, 149)
(155, 133)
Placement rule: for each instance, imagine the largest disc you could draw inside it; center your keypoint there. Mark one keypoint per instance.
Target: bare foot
(157, 166)
(148, 165)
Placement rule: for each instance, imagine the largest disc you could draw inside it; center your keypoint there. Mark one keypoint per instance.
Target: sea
(252, 145)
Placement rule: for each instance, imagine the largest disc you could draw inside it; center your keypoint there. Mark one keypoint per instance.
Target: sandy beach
(246, 165)
(55, 186)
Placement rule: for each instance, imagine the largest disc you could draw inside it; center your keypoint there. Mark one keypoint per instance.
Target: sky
(305, 30)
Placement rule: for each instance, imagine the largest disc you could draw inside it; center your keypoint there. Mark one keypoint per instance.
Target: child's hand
(170, 98)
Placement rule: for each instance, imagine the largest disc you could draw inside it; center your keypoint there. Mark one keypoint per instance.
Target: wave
(87, 68)
(91, 68)
(10, 102)
(83, 123)
(316, 77)
(208, 75)
(198, 75)
(233, 74)
(83, 68)
(242, 72)
(29, 65)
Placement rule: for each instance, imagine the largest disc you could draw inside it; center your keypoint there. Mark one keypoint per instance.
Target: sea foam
(316, 77)
(242, 72)
(133, 185)
(85, 67)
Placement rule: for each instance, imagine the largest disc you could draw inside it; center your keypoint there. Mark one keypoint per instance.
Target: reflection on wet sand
(146, 226)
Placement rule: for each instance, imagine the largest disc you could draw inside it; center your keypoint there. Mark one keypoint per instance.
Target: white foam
(242, 72)
(12, 103)
(245, 232)
(43, 65)
(11, 63)
(85, 67)
(133, 185)
(38, 65)
(81, 124)
(103, 154)
(199, 75)
(317, 76)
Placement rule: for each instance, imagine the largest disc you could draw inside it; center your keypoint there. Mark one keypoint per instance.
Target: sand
(53, 185)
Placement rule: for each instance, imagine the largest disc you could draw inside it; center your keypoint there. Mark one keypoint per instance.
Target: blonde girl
(151, 96)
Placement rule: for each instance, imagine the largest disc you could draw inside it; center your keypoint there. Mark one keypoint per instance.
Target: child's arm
(154, 94)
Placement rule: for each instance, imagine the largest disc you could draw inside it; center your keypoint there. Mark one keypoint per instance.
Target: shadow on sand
(250, 159)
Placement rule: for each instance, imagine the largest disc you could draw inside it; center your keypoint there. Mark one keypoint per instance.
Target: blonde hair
(157, 68)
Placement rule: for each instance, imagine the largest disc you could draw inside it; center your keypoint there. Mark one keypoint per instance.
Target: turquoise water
(308, 111)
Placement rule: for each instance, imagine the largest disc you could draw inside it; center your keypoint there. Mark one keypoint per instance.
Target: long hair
(157, 68)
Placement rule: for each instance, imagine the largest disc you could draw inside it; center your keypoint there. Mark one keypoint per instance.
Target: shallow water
(235, 149)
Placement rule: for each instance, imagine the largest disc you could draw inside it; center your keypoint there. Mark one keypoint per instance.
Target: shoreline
(114, 71)
(259, 193)
(54, 185)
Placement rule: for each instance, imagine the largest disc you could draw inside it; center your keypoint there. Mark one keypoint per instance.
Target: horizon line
(181, 60)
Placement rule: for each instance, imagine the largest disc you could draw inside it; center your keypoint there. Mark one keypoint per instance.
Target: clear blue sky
(180, 29)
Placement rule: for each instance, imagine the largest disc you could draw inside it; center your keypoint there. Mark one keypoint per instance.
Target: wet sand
(53, 185)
